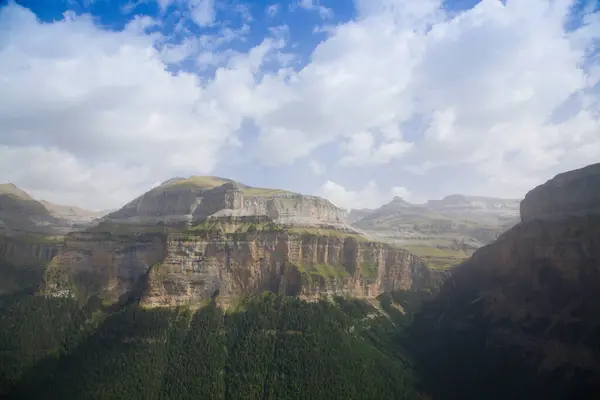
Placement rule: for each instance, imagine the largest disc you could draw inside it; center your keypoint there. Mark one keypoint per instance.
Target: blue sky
(357, 101)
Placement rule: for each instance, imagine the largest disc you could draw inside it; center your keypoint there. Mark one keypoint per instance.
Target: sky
(354, 100)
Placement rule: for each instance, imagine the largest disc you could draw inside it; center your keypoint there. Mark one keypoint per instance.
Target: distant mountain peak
(12, 189)
(398, 201)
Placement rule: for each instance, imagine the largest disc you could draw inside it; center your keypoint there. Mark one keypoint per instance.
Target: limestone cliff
(23, 261)
(523, 313)
(20, 251)
(192, 200)
(237, 259)
(203, 265)
(103, 264)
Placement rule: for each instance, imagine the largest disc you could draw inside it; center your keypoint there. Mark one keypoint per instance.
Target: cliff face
(524, 310)
(196, 199)
(191, 268)
(93, 263)
(22, 263)
(19, 251)
(575, 191)
(201, 266)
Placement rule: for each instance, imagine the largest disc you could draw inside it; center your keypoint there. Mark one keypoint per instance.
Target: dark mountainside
(521, 318)
(207, 288)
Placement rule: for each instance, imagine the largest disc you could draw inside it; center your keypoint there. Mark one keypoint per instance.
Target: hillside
(443, 232)
(269, 347)
(20, 213)
(75, 215)
(521, 315)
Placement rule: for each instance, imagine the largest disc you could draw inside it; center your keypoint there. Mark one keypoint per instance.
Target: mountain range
(257, 287)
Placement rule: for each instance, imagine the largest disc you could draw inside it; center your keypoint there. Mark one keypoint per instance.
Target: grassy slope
(437, 258)
(210, 182)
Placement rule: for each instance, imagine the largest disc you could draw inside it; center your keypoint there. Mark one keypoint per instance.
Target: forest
(269, 347)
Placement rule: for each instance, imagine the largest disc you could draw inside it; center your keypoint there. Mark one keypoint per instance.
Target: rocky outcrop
(198, 267)
(522, 315)
(98, 263)
(193, 200)
(571, 192)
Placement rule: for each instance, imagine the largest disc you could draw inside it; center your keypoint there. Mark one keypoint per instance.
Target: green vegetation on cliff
(211, 182)
(271, 348)
(438, 258)
(315, 232)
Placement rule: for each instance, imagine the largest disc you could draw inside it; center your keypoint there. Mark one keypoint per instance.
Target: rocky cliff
(203, 265)
(571, 192)
(102, 264)
(23, 261)
(192, 200)
(522, 315)
(237, 259)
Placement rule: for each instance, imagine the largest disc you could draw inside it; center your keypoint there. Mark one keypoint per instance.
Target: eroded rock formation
(200, 266)
(192, 267)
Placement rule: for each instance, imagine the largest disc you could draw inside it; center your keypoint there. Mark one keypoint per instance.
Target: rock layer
(191, 268)
(201, 266)
(108, 266)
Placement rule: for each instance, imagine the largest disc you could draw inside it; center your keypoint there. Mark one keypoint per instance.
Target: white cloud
(485, 82)
(272, 10)
(202, 11)
(164, 4)
(315, 5)
(316, 167)
(492, 100)
(362, 150)
(370, 196)
(95, 115)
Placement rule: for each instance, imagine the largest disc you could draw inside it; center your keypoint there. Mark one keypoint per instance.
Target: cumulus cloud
(486, 84)
(315, 5)
(79, 104)
(503, 93)
(272, 9)
(370, 196)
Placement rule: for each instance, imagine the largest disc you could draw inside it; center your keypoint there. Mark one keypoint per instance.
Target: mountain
(187, 239)
(271, 295)
(185, 202)
(19, 212)
(444, 232)
(75, 215)
(205, 289)
(522, 314)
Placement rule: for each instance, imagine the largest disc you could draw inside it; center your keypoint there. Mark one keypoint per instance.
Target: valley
(278, 276)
